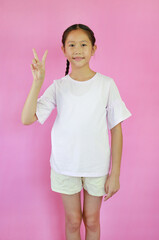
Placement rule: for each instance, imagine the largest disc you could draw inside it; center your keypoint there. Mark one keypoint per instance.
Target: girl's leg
(91, 216)
(73, 215)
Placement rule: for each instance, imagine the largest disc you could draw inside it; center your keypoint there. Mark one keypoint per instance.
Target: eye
(71, 45)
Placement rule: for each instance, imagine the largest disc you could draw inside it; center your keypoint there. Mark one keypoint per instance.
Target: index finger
(35, 54)
(44, 56)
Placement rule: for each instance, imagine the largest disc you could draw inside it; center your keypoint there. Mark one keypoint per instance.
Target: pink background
(127, 37)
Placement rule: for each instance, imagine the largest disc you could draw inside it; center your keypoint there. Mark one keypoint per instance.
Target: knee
(73, 222)
(92, 222)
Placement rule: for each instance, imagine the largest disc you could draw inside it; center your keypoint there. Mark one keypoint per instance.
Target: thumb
(107, 189)
(107, 185)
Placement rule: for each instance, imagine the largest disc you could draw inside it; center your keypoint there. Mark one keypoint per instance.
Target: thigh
(72, 206)
(91, 206)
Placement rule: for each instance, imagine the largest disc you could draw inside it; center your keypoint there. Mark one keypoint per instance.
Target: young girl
(81, 155)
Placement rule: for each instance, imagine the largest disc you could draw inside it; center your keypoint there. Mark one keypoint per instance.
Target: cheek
(68, 53)
(88, 51)
(88, 54)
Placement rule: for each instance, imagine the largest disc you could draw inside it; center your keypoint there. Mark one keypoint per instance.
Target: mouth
(78, 58)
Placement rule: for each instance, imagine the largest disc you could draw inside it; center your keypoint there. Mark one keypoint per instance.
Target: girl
(80, 156)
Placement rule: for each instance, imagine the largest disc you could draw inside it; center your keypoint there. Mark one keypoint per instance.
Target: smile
(78, 58)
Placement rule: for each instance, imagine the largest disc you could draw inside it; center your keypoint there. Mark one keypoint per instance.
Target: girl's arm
(112, 183)
(116, 149)
(29, 110)
(38, 70)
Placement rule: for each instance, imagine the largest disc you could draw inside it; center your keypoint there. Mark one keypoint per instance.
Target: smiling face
(78, 49)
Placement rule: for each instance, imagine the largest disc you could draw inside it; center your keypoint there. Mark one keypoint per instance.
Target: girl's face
(78, 48)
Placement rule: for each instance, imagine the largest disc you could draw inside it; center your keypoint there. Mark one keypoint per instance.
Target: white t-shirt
(79, 137)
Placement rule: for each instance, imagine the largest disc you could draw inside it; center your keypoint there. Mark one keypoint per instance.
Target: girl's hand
(38, 68)
(111, 186)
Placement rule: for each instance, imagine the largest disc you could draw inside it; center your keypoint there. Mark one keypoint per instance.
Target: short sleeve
(116, 109)
(46, 103)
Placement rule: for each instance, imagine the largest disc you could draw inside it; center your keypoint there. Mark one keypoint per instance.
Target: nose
(78, 49)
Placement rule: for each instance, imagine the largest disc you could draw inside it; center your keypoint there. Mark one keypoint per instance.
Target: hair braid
(67, 67)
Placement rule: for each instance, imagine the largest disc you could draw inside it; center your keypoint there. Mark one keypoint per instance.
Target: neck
(81, 73)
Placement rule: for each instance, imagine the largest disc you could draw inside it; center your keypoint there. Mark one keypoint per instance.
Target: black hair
(88, 31)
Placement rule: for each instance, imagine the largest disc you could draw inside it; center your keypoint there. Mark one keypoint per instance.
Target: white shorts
(70, 185)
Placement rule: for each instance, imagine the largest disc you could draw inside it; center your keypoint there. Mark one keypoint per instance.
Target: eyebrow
(80, 41)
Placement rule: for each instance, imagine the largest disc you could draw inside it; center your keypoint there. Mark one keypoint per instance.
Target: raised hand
(38, 68)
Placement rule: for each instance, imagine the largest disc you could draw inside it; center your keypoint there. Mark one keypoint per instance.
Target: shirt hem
(80, 174)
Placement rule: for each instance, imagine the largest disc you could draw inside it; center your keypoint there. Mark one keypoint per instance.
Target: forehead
(77, 36)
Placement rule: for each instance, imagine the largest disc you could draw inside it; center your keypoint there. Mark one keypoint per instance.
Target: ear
(94, 49)
(63, 49)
